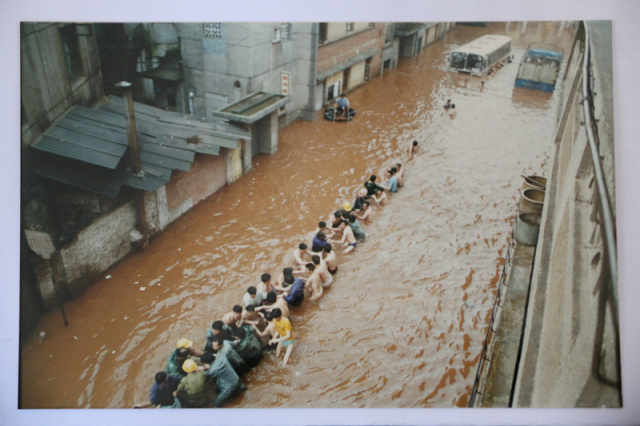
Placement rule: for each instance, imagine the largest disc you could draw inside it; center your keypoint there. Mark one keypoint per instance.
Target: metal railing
(494, 322)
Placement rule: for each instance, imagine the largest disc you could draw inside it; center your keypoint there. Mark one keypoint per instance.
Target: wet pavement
(403, 324)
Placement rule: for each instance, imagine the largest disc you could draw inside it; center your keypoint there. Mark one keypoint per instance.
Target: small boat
(540, 67)
(329, 114)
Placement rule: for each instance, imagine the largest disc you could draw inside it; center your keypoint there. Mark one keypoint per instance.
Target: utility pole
(134, 158)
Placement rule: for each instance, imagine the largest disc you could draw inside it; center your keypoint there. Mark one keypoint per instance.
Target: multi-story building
(93, 189)
(99, 178)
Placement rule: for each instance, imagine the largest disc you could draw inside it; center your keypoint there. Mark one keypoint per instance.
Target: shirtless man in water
(321, 268)
(348, 239)
(366, 214)
(275, 301)
(300, 256)
(412, 149)
(380, 197)
(400, 175)
(331, 260)
(314, 283)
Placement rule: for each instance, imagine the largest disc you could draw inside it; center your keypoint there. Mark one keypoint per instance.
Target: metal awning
(85, 148)
(362, 56)
(408, 28)
(173, 75)
(252, 108)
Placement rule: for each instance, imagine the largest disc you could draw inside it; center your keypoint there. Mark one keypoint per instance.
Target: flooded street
(403, 324)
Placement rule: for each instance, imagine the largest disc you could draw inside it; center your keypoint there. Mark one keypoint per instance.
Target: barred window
(349, 26)
(213, 30)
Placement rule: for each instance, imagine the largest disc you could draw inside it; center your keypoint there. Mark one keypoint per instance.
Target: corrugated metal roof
(79, 174)
(147, 183)
(85, 147)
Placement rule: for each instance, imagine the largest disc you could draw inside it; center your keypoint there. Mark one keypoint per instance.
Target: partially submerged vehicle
(479, 56)
(540, 67)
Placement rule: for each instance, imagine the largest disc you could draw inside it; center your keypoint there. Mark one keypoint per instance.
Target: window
(71, 51)
(349, 26)
(213, 30)
(284, 31)
(277, 34)
(322, 30)
(389, 30)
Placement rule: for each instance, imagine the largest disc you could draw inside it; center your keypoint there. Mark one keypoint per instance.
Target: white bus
(477, 57)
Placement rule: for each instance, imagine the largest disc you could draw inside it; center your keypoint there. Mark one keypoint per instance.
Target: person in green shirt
(249, 345)
(372, 186)
(192, 390)
(175, 362)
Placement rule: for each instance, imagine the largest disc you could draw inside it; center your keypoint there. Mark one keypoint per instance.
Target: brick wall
(207, 175)
(95, 249)
(333, 53)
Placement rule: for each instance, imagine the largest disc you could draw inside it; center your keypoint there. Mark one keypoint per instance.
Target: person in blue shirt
(392, 183)
(295, 297)
(162, 391)
(343, 106)
(319, 242)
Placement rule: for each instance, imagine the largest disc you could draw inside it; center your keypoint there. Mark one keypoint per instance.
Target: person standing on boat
(343, 106)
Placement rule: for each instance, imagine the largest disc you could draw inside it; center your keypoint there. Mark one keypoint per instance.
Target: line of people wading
(236, 342)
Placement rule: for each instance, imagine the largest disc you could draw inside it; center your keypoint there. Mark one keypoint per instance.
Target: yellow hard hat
(189, 366)
(346, 206)
(184, 343)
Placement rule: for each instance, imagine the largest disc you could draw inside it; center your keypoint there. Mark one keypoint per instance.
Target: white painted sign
(40, 243)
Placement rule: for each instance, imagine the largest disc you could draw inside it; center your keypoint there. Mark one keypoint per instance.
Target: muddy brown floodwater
(405, 320)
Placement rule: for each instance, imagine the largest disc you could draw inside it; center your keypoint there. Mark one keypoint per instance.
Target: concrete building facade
(557, 340)
(349, 54)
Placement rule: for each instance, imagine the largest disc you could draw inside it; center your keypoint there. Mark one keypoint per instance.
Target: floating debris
(469, 305)
(143, 288)
(75, 337)
(108, 277)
